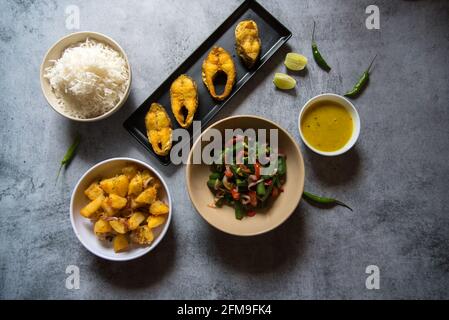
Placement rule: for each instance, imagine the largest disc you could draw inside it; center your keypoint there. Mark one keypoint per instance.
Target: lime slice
(295, 61)
(284, 81)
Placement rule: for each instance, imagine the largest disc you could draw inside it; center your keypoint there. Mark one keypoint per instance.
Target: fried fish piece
(184, 99)
(247, 42)
(218, 60)
(159, 130)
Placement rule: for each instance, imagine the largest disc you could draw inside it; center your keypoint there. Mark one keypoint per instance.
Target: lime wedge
(295, 61)
(284, 81)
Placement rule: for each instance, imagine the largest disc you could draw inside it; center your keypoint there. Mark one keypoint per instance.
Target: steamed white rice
(89, 79)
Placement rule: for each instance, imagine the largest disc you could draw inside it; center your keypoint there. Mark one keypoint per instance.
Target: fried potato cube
(107, 207)
(93, 191)
(148, 196)
(142, 235)
(130, 171)
(135, 220)
(133, 204)
(119, 226)
(102, 226)
(120, 243)
(97, 215)
(158, 208)
(155, 221)
(116, 201)
(92, 207)
(117, 185)
(135, 185)
(146, 177)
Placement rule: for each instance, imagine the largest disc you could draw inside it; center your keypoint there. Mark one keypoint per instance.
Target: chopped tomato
(257, 170)
(251, 213)
(228, 172)
(253, 198)
(235, 194)
(275, 192)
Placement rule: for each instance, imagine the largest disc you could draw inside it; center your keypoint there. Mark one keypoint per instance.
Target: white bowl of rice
(85, 76)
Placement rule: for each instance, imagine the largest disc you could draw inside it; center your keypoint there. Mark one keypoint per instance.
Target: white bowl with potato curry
(120, 209)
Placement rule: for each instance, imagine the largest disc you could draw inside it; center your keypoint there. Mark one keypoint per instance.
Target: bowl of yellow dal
(329, 124)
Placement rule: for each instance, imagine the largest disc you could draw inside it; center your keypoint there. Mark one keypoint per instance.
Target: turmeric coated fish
(247, 42)
(184, 99)
(218, 60)
(159, 130)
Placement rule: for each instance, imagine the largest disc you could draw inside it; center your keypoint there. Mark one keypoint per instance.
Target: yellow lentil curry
(327, 126)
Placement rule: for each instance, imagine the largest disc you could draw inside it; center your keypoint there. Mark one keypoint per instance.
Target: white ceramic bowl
(84, 227)
(346, 104)
(56, 51)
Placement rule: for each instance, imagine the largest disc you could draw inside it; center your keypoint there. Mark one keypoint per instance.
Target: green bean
(242, 185)
(324, 200)
(361, 84)
(228, 198)
(219, 203)
(215, 175)
(268, 192)
(70, 153)
(211, 183)
(282, 166)
(260, 189)
(234, 170)
(217, 167)
(239, 211)
(316, 53)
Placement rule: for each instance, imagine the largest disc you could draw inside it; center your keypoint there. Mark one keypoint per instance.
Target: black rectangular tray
(273, 35)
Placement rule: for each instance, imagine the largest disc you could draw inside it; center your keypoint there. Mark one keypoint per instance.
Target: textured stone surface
(396, 178)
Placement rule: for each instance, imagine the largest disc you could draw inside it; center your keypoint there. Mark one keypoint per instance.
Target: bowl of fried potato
(120, 209)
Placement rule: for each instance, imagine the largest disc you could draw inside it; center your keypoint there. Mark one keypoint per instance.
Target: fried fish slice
(159, 130)
(218, 60)
(184, 99)
(247, 42)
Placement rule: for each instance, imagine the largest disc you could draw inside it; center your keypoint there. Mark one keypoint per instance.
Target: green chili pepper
(323, 200)
(70, 153)
(316, 53)
(361, 84)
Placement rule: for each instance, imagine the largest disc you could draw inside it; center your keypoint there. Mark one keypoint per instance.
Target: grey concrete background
(396, 178)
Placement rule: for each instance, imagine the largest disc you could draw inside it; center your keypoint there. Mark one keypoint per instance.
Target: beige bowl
(224, 218)
(83, 227)
(55, 52)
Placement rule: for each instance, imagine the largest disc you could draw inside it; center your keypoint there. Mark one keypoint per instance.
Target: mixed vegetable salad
(239, 182)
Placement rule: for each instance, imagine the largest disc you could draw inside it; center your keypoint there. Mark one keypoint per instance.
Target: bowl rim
(154, 243)
(86, 34)
(355, 133)
(190, 164)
